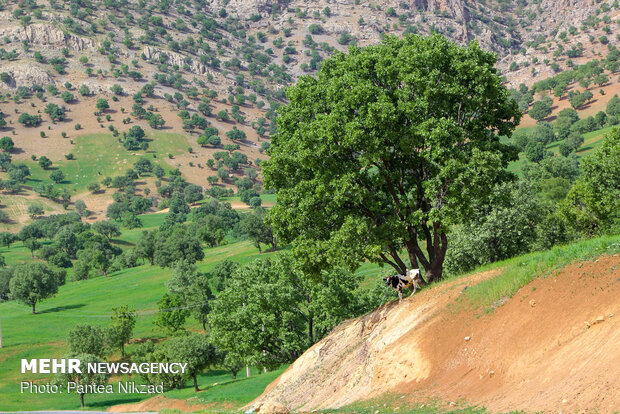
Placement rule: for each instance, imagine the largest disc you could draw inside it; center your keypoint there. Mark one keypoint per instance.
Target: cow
(411, 280)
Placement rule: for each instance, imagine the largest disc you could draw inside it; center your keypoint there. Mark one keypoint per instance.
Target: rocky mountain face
(506, 27)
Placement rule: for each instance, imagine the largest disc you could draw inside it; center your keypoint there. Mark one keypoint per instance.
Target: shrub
(44, 162)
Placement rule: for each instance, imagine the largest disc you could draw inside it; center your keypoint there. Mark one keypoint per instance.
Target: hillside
(547, 347)
(205, 78)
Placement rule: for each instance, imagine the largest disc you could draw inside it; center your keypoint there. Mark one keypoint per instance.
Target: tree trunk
(123, 350)
(434, 269)
(259, 249)
(196, 383)
(82, 400)
(247, 371)
(34, 311)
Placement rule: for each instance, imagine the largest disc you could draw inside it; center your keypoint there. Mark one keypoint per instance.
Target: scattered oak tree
(33, 282)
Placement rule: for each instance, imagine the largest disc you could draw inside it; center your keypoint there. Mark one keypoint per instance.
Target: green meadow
(101, 155)
(90, 301)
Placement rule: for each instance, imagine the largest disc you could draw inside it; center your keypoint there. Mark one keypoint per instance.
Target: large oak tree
(384, 149)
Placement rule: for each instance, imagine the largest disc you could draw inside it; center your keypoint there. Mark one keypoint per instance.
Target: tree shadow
(61, 308)
(121, 242)
(108, 403)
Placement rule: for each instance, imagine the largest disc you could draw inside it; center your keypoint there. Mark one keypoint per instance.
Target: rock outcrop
(45, 34)
(23, 74)
(155, 55)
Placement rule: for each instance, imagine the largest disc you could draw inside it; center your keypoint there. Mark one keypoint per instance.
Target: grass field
(90, 301)
(101, 155)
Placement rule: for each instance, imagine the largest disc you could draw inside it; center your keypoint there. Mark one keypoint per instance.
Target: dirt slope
(551, 347)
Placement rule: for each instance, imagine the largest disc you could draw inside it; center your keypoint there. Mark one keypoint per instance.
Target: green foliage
(84, 90)
(67, 97)
(29, 120)
(102, 104)
(123, 321)
(196, 351)
(116, 89)
(574, 140)
(535, 151)
(351, 152)
(34, 211)
(177, 245)
(258, 230)
(172, 313)
(134, 139)
(6, 144)
(578, 99)
(613, 106)
(236, 134)
(501, 229)
(57, 176)
(107, 229)
(593, 203)
(540, 110)
(33, 282)
(279, 312)
(87, 339)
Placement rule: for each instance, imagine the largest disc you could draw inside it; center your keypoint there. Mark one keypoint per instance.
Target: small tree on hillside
(44, 162)
(87, 339)
(196, 351)
(34, 211)
(6, 144)
(33, 282)
(540, 110)
(107, 229)
(121, 328)
(172, 313)
(102, 104)
(85, 378)
(57, 176)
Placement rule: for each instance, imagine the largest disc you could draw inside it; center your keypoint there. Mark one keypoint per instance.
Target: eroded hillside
(549, 347)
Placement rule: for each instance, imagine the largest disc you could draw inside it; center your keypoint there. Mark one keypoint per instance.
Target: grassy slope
(101, 155)
(90, 301)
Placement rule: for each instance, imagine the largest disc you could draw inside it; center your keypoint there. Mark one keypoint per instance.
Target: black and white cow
(411, 280)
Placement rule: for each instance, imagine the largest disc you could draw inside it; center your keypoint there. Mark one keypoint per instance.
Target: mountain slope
(226, 63)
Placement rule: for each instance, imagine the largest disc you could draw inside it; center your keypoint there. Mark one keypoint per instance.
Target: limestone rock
(271, 407)
(45, 34)
(23, 74)
(154, 55)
